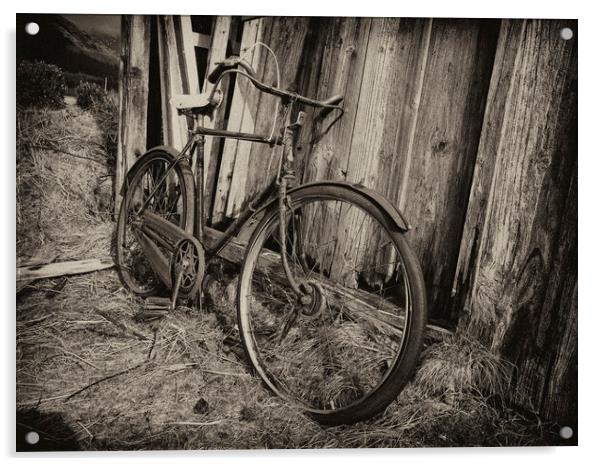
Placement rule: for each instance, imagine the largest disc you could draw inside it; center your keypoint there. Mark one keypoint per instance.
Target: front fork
(285, 176)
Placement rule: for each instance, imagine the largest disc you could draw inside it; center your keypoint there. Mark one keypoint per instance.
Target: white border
(590, 109)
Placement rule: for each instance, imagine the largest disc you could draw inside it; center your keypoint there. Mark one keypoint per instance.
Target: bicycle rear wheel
(173, 200)
(345, 354)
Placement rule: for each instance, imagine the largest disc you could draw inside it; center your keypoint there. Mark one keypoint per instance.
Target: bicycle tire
(403, 366)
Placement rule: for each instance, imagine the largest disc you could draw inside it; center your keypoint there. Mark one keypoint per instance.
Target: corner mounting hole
(566, 432)
(32, 28)
(32, 438)
(566, 33)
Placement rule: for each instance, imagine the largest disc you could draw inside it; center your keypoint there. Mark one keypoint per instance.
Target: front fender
(381, 201)
(387, 208)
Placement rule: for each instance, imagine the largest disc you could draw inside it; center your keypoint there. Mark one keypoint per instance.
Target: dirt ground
(90, 377)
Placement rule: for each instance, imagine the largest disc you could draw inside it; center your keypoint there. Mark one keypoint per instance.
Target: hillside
(82, 55)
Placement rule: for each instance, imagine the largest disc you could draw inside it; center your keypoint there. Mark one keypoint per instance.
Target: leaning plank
(35, 272)
(241, 119)
(256, 169)
(175, 127)
(356, 301)
(218, 50)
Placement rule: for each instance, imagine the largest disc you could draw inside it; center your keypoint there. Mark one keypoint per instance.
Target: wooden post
(133, 96)
(516, 278)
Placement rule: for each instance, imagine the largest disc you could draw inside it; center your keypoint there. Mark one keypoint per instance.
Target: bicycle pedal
(154, 308)
(150, 315)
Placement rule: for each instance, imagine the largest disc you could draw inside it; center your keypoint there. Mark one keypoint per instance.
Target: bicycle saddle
(197, 103)
(228, 64)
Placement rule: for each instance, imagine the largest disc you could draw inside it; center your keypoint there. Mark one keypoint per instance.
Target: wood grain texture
(133, 96)
(57, 269)
(327, 143)
(501, 86)
(518, 266)
(341, 48)
(286, 37)
(222, 30)
(443, 144)
(242, 119)
(175, 127)
(391, 84)
(185, 42)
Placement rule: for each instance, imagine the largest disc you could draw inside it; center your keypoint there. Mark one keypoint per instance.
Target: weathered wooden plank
(222, 30)
(248, 155)
(359, 302)
(57, 269)
(342, 58)
(286, 36)
(327, 142)
(391, 82)
(242, 118)
(518, 263)
(38, 259)
(186, 42)
(175, 127)
(503, 79)
(133, 95)
(443, 145)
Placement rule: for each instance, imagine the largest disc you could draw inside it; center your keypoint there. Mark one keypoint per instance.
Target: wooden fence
(469, 126)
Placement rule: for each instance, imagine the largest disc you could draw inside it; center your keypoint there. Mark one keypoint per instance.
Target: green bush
(89, 94)
(40, 84)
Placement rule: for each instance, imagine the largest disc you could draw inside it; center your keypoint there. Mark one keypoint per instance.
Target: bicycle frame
(193, 151)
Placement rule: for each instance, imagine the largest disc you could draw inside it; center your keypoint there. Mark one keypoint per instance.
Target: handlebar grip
(216, 73)
(228, 64)
(334, 100)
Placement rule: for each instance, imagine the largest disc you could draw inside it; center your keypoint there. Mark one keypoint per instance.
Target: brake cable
(267, 47)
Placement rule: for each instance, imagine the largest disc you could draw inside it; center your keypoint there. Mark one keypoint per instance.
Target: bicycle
(331, 299)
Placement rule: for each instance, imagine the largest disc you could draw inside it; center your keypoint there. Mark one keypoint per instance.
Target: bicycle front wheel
(344, 351)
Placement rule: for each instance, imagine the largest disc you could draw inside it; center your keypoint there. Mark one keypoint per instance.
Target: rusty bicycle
(331, 299)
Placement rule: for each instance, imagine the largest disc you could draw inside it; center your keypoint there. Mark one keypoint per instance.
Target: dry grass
(63, 185)
(90, 377)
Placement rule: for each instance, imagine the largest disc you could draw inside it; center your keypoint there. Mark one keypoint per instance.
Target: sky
(107, 24)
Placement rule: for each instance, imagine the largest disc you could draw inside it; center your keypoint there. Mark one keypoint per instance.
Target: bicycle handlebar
(230, 65)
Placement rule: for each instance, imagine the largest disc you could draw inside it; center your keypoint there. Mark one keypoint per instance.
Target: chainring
(189, 256)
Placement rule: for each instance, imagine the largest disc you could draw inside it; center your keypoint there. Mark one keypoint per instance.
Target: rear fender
(130, 174)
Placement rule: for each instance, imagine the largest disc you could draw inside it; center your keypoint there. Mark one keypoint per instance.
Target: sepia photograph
(295, 232)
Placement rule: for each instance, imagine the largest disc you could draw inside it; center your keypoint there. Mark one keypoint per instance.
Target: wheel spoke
(136, 269)
(326, 357)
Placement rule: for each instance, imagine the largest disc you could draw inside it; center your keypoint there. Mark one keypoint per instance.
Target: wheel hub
(313, 300)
